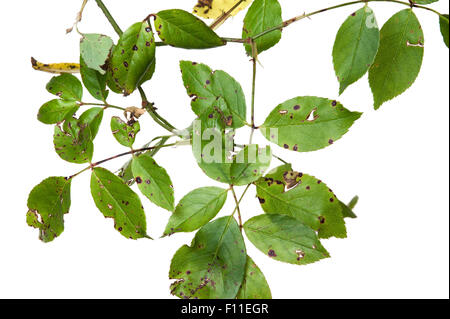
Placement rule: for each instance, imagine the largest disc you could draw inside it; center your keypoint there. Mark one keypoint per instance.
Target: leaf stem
(105, 105)
(253, 127)
(237, 206)
(132, 152)
(307, 15)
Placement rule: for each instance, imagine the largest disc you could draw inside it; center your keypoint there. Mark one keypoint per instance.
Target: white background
(395, 159)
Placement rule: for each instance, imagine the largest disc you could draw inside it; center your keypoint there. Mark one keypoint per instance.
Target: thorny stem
(238, 209)
(308, 15)
(132, 152)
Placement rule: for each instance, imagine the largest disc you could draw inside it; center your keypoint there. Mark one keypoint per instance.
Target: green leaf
(213, 266)
(444, 24)
(308, 123)
(285, 239)
(124, 133)
(399, 58)
(47, 204)
(183, 30)
(66, 86)
(116, 200)
(213, 152)
(56, 111)
(95, 49)
(355, 47)
(303, 197)
(133, 59)
(92, 118)
(347, 210)
(206, 87)
(196, 209)
(94, 81)
(261, 16)
(74, 143)
(153, 181)
(254, 285)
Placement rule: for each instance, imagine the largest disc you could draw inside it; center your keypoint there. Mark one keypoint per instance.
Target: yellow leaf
(213, 9)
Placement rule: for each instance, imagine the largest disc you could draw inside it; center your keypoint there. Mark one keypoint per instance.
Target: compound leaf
(355, 47)
(285, 239)
(399, 57)
(286, 192)
(47, 204)
(95, 49)
(262, 15)
(206, 87)
(181, 29)
(196, 209)
(308, 123)
(153, 181)
(116, 200)
(213, 266)
(254, 285)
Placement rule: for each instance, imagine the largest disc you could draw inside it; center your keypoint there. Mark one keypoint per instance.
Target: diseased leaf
(355, 47)
(308, 123)
(124, 133)
(153, 181)
(261, 16)
(213, 9)
(56, 111)
(424, 1)
(116, 200)
(196, 209)
(92, 118)
(213, 266)
(213, 151)
(66, 86)
(94, 82)
(95, 49)
(444, 25)
(285, 239)
(73, 143)
(181, 29)
(399, 57)
(286, 192)
(214, 92)
(47, 204)
(254, 285)
(133, 59)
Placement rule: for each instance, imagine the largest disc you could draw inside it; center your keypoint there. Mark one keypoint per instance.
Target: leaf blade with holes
(133, 59)
(254, 285)
(308, 123)
(94, 50)
(399, 58)
(213, 266)
(181, 29)
(205, 87)
(285, 239)
(261, 16)
(56, 111)
(124, 133)
(355, 47)
(116, 200)
(196, 209)
(94, 81)
(47, 204)
(305, 198)
(153, 181)
(66, 86)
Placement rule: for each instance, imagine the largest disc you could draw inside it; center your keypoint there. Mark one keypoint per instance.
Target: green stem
(105, 105)
(307, 15)
(109, 17)
(237, 206)
(253, 127)
(132, 152)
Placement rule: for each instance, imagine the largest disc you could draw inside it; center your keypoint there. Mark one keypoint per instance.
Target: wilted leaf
(213, 9)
